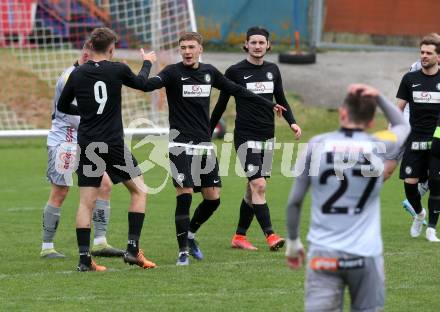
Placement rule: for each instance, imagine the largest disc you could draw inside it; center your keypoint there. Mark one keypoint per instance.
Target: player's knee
(105, 187)
(183, 204)
(258, 186)
(411, 181)
(58, 195)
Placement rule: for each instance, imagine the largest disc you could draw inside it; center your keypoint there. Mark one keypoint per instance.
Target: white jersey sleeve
(64, 127)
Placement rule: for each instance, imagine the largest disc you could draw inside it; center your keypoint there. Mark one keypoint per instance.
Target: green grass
(227, 280)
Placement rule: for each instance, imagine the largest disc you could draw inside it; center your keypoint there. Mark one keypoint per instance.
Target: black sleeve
(220, 107)
(66, 98)
(224, 84)
(161, 80)
(280, 98)
(130, 80)
(403, 92)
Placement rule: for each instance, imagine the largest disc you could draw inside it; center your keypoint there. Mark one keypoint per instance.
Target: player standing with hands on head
(254, 132)
(345, 243)
(188, 86)
(421, 91)
(97, 85)
(61, 141)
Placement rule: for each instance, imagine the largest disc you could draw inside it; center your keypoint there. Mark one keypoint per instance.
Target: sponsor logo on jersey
(196, 90)
(438, 86)
(250, 168)
(182, 78)
(269, 75)
(247, 77)
(260, 87)
(208, 78)
(415, 85)
(408, 170)
(426, 97)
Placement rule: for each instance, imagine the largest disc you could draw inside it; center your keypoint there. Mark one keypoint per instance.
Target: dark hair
(101, 38)
(361, 109)
(256, 30)
(87, 44)
(191, 35)
(432, 39)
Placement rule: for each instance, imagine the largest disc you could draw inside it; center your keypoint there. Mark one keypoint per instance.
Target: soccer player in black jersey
(254, 133)
(193, 163)
(96, 85)
(421, 90)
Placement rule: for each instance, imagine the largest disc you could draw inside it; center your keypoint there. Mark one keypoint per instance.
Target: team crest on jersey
(438, 86)
(269, 75)
(208, 78)
(180, 177)
(408, 170)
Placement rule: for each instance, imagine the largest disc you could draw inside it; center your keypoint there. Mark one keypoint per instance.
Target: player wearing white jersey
(61, 147)
(344, 168)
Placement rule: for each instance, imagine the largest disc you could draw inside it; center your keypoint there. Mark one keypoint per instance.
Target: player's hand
(150, 56)
(295, 254)
(296, 130)
(279, 109)
(366, 90)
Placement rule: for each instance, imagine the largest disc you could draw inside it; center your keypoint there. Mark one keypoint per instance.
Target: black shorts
(91, 167)
(194, 167)
(255, 157)
(416, 158)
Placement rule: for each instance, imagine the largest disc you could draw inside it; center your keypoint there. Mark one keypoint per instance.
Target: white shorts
(61, 164)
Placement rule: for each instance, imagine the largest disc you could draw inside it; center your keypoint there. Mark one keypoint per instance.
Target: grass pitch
(227, 280)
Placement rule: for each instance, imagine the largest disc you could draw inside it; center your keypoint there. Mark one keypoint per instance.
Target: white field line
(111, 270)
(21, 209)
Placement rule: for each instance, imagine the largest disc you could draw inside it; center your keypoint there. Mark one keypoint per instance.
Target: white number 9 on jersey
(100, 95)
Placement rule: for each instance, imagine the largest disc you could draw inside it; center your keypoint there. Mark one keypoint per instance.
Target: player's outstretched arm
(295, 254)
(64, 104)
(224, 84)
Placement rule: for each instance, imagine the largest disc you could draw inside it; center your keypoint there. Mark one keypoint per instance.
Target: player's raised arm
(64, 104)
(399, 126)
(161, 80)
(224, 84)
(138, 81)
